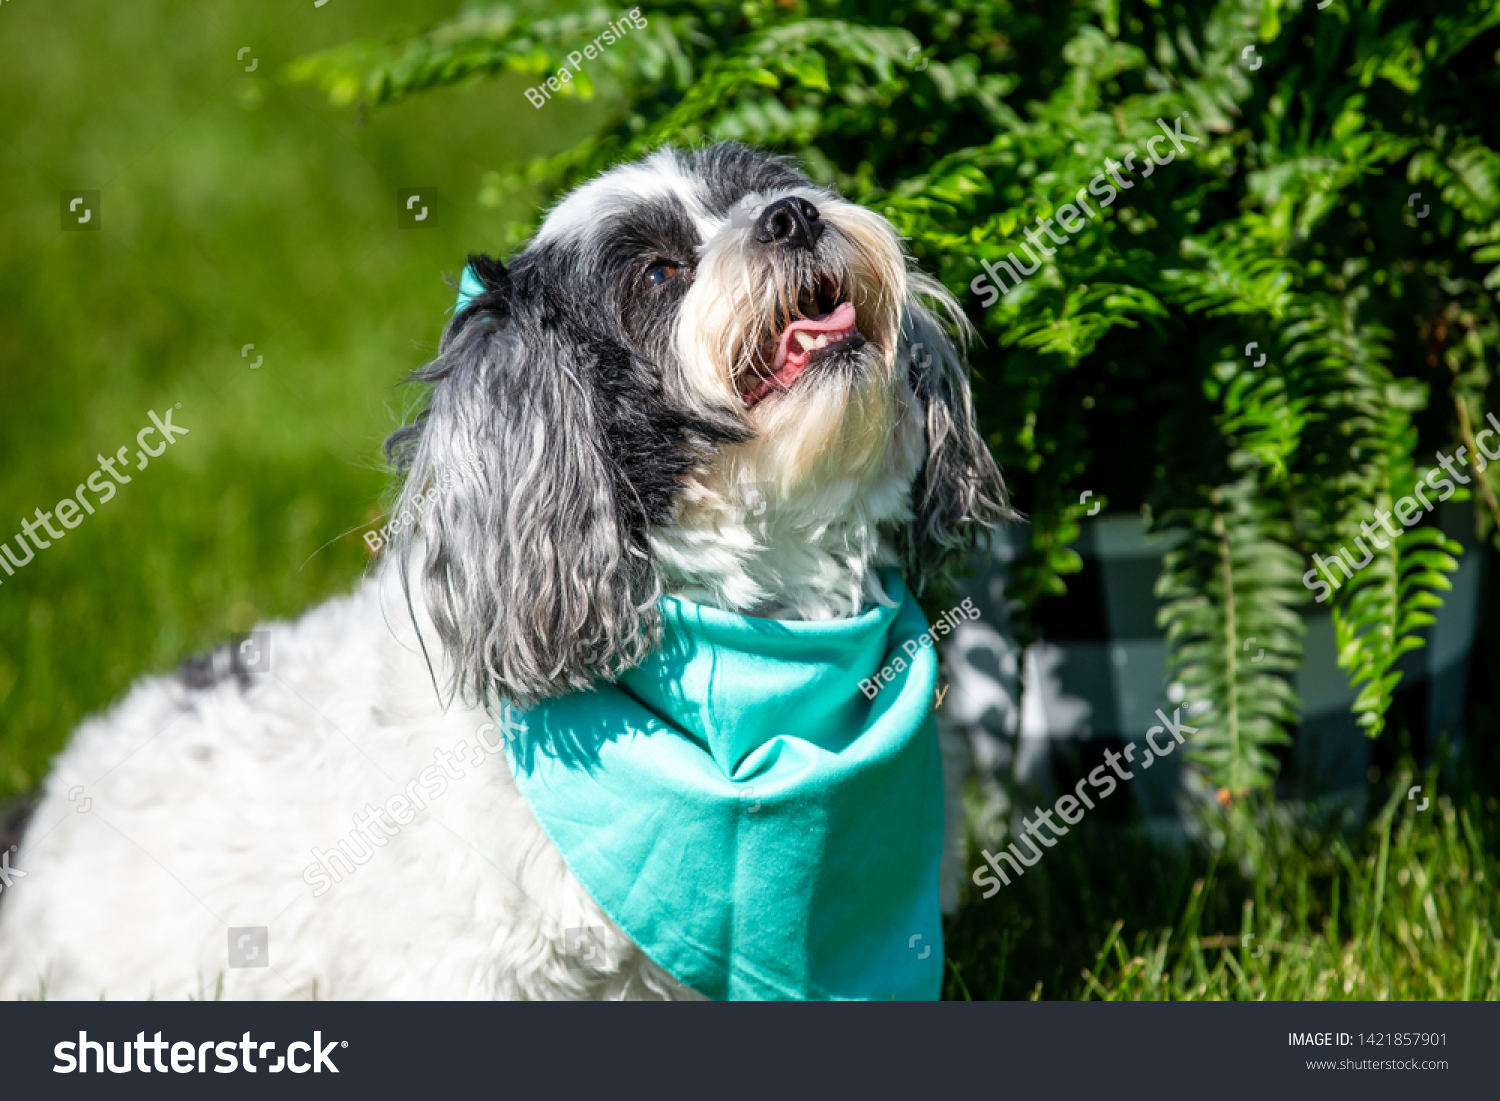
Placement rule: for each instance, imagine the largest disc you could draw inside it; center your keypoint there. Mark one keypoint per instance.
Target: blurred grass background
(234, 210)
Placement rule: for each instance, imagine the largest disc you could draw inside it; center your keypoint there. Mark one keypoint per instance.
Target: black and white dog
(706, 376)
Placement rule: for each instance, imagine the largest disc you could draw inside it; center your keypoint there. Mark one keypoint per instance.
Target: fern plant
(1389, 600)
(1229, 605)
(1249, 344)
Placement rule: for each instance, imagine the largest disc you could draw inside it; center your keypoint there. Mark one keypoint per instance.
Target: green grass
(1405, 908)
(235, 210)
(1402, 904)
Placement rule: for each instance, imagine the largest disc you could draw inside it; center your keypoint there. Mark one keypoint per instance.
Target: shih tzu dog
(594, 726)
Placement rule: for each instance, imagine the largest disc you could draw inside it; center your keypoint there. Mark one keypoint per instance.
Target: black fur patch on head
(590, 300)
(561, 409)
(730, 170)
(653, 443)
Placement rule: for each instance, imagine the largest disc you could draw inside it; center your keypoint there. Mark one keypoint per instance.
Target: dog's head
(704, 372)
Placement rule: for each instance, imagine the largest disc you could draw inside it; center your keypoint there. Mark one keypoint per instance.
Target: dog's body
(204, 808)
(693, 381)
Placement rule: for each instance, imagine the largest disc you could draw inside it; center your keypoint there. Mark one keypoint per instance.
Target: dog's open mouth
(827, 327)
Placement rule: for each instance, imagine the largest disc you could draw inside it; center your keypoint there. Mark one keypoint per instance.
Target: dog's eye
(659, 272)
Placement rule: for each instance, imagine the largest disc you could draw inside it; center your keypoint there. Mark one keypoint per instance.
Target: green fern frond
(1266, 421)
(503, 38)
(1229, 595)
(1379, 613)
(1386, 604)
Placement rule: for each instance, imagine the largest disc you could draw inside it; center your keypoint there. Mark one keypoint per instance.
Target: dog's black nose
(792, 222)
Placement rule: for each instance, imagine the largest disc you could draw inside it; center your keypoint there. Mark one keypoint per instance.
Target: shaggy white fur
(200, 812)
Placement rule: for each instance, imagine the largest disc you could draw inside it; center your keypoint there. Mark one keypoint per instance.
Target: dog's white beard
(793, 524)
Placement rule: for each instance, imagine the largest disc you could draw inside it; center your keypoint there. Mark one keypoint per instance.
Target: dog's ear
(533, 579)
(959, 494)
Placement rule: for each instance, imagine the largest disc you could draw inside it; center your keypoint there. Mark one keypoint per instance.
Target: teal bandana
(750, 818)
(754, 822)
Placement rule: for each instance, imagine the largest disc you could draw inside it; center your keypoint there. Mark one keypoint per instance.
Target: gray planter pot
(1095, 679)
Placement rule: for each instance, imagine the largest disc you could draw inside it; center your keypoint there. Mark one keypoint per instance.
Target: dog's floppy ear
(534, 581)
(959, 494)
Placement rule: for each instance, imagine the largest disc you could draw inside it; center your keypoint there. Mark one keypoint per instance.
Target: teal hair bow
(469, 288)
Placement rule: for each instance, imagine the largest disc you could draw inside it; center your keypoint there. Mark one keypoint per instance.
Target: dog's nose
(792, 222)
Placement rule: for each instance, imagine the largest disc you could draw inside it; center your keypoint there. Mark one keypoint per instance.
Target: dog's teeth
(822, 342)
(806, 340)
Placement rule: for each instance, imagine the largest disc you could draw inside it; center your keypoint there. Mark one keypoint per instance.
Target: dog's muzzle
(824, 325)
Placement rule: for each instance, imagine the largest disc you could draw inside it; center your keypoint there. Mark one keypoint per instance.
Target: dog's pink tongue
(842, 317)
